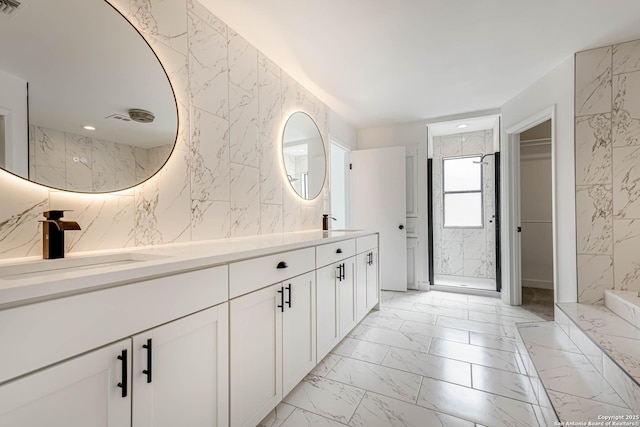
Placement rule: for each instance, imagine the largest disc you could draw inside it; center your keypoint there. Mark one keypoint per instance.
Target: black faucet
(53, 229)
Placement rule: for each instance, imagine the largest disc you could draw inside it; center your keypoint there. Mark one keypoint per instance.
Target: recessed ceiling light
(89, 127)
(462, 126)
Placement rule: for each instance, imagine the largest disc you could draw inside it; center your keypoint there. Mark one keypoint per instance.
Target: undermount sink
(66, 265)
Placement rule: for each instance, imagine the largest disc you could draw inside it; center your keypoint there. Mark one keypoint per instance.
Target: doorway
(463, 205)
(536, 220)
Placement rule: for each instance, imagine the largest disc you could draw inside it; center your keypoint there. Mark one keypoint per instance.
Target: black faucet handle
(55, 214)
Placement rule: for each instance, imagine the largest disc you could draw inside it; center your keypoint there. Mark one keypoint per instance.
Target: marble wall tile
(271, 219)
(594, 213)
(626, 182)
(271, 172)
(473, 143)
(50, 148)
(163, 205)
(107, 219)
(593, 81)
(626, 109)
(53, 177)
(210, 219)
(245, 200)
(125, 172)
(157, 19)
(450, 145)
(270, 101)
(475, 244)
(626, 57)
(208, 68)
(20, 232)
(197, 9)
(474, 268)
(593, 149)
(268, 64)
(243, 132)
(243, 63)
(595, 274)
(626, 263)
(209, 156)
(452, 257)
(103, 156)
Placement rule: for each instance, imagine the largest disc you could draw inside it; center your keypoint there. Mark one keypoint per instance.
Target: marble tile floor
(425, 359)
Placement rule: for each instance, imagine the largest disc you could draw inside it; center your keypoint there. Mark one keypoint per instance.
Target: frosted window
(463, 210)
(462, 195)
(462, 174)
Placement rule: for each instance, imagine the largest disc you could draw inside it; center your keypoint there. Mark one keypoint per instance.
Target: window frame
(481, 191)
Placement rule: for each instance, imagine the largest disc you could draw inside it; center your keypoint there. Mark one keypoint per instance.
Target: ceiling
(378, 62)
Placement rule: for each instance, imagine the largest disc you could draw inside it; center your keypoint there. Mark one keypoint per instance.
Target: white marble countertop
(154, 261)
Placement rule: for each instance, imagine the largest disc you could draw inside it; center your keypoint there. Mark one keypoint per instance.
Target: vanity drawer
(334, 252)
(366, 243)
(40, 334)
(253, 274)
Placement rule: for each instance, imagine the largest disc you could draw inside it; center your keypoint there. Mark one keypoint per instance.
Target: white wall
(555, 88)
(342, 132)
(13, 105)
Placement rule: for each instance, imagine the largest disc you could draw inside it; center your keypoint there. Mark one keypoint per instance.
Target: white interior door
(378, 203)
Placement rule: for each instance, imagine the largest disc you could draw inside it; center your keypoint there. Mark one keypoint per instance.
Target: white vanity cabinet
(335, 294)
(272, 332)
(65, 370)
(180, 372)
(80, 392)
(367, 289)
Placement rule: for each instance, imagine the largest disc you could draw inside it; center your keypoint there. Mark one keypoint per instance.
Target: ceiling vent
(117, 116)
(9, 7)
(141, 116)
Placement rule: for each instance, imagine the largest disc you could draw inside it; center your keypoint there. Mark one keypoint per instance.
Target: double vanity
(202, 333)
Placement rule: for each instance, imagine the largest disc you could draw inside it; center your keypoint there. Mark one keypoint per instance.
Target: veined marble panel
(210, 219)
(271, 219)
(157, 19)
(243, 132)
(593, 149)
(595, 274)
(475, 244)
(20, 231)
(52, 177)
(125, 172)
(293, 97)
(450, 145)
(163, 204)
(626, 264)
(243, 63)
(107, 219)
(593, 81)
(626, 182)
(473, 143)
(210, 164)
(49, 148)
(452, 257)
(626, 57)
(594, 214)
(474, 268)
(245, 200)
(428, 365)
(626, 109)
(208, 68)
(103, 156)
(270, 101)
(573, 408)
(197, 9)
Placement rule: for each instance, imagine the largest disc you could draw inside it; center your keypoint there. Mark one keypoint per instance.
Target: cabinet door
(255, 355)
(347, 298)
(328, 334)
(180, 372)
(81, 392)
(362, 261)
(372, 281)
(298, 330)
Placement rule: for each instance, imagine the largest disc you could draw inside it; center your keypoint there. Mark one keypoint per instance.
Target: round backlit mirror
(85, 105)
(304, 155)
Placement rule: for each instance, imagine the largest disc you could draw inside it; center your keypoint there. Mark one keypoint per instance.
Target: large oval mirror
(85, 105)
(304, 155)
